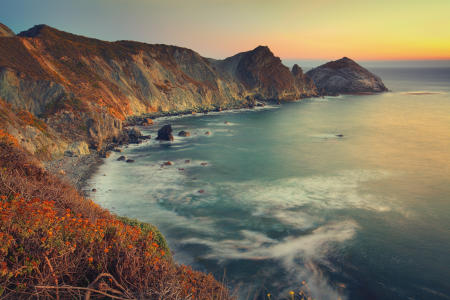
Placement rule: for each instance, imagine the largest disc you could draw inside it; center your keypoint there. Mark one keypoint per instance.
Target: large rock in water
(165, 133)
(344, 76)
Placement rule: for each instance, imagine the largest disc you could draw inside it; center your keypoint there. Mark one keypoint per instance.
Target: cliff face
(344, 76)
(264, 76)
(84, 88)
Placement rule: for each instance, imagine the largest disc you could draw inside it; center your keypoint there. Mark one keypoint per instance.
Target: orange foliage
(8, 138)
(53, 241)
(31, 120)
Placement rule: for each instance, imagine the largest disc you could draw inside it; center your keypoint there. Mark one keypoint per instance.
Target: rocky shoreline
(76, 170)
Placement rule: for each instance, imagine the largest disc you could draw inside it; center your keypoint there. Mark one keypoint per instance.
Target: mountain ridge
(85, 88)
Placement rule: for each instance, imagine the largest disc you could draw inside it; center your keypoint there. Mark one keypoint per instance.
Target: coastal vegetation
(58, 244)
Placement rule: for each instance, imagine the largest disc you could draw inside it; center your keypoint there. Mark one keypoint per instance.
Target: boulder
(68, 153)
(130, 160)
(78, 148)
(165, 133)
(134, 135)
(184, 133)
(147, 122)
(122, 158)
(105, 153)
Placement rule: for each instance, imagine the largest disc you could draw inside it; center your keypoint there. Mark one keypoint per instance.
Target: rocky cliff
(84, 88)
(264, 76)
(344, 76)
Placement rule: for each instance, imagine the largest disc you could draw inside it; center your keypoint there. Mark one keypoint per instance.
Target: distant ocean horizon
(343, 197)
(312, 63)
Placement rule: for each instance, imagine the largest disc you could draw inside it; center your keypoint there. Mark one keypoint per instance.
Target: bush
(56, 244)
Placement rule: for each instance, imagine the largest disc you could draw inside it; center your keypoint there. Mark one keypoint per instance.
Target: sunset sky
(293, 29)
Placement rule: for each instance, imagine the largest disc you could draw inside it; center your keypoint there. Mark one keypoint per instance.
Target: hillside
(55, 244)
(85, 88)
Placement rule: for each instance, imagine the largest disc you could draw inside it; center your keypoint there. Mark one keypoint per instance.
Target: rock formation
(264, 76)
(184, 133)
(344, 76)
(165, 133)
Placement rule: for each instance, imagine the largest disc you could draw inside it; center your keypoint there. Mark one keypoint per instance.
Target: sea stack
(165, 133)
(345, 76)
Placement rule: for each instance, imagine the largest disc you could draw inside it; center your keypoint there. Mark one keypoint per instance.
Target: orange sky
(313, 29)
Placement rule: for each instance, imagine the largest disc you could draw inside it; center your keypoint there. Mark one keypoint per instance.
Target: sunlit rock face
(344, 76)
(85, 87)
(264, 76)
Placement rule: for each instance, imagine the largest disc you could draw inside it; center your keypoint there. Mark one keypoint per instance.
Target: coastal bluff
(345, 76)
(82, 89)
(85, 88)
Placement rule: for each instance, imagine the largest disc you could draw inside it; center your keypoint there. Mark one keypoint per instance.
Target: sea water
(349, 194)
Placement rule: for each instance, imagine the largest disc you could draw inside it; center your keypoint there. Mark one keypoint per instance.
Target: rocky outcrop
(165, 133)
(5, 31)
(184, 133)
(344, 76)
(78, 148)
(305, 84)
(264, 76)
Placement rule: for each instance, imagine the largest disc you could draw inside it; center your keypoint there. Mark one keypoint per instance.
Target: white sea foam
(298, 255)
(213, 113)
(221, 124)
(333, 192)
(257, 246)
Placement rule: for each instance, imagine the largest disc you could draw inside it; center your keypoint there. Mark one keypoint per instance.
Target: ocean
(343, 197)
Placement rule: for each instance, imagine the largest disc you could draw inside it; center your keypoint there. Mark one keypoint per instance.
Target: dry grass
(56, 244)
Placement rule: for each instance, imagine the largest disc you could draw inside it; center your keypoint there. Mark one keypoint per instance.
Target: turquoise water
(282, 199)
